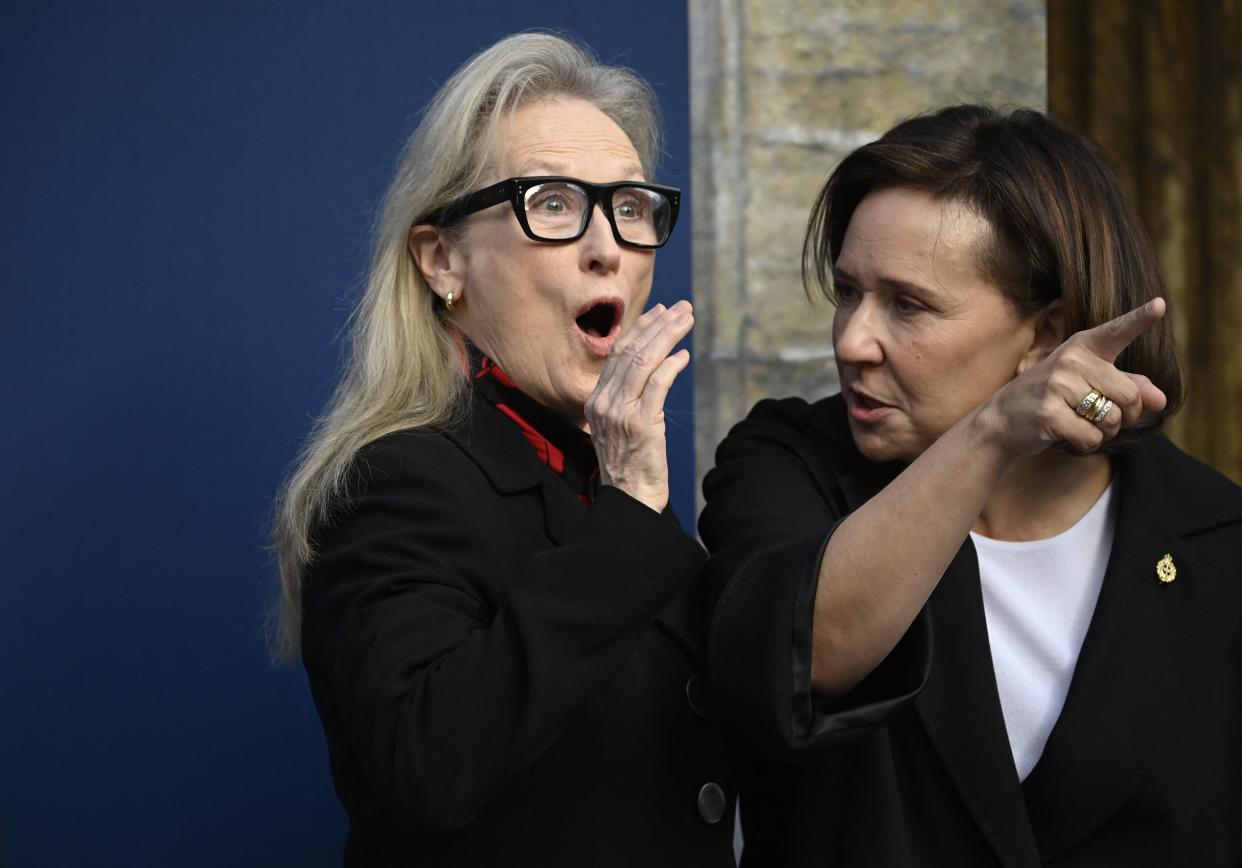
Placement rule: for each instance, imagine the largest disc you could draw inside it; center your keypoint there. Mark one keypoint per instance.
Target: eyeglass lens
(558, 210)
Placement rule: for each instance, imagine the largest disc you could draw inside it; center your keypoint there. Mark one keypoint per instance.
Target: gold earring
(448, 302)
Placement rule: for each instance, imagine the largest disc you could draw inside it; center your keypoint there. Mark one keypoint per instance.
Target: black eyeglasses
(557, 209)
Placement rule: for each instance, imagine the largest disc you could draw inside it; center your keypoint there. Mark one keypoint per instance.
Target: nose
(598, 249)
(857, 334)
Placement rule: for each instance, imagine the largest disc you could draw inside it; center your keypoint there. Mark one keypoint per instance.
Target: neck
(1042, 495)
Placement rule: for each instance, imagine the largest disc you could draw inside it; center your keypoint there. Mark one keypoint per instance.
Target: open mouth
(599, 324)
(864, 408)
(599, 318)
(866, 402)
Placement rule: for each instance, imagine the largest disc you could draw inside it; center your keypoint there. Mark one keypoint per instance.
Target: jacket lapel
(1148, 654)
(959, 706)
(562, 510)
(960, 709)
(504, 455)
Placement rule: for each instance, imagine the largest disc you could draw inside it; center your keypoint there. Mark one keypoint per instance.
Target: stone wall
(780, 91)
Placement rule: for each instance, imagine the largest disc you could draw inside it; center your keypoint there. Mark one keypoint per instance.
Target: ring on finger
(1088, 401)
(1097, 408)
(1102, 412)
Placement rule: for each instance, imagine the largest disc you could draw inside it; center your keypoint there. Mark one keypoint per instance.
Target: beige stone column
(780, 91)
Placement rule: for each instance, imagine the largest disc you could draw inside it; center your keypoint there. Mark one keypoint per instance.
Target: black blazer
(913, 767)
(506, 676)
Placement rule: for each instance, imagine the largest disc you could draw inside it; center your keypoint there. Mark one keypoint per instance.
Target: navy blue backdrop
(186, 193)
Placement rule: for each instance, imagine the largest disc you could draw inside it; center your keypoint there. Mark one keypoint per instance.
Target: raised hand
(1047, 404)
(626, 408)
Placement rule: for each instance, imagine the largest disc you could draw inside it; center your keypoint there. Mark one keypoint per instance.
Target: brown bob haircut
(1061, 226)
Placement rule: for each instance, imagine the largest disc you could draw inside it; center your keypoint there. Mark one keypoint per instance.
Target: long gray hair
(403, 368)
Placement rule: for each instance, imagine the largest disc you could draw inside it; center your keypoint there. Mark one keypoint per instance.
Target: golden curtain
(1158, 84)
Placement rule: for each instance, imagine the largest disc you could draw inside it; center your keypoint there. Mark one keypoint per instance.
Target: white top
(1038, 598)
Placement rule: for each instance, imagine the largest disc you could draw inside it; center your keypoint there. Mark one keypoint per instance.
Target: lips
(599, 323)
(863, 407)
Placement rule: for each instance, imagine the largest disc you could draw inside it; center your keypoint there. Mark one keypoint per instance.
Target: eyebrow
(891, 282)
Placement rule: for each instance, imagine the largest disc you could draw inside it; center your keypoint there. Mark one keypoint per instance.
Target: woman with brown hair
(983, 610)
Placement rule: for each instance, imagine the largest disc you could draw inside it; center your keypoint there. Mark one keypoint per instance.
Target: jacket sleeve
(773, 502)
(444, 684)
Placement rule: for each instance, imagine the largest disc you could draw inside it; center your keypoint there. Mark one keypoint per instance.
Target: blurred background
(187, 193)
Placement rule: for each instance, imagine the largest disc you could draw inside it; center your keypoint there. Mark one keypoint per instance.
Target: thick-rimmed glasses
(554, 208)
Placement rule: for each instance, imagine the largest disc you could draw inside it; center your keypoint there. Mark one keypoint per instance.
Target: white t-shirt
(1038, 598)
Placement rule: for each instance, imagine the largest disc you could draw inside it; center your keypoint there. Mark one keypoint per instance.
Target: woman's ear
(439, 259)
(1049, 333)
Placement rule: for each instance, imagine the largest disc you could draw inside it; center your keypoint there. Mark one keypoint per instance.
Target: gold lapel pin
(1165, 569)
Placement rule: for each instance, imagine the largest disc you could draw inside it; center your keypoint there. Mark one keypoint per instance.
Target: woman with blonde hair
(489, 594)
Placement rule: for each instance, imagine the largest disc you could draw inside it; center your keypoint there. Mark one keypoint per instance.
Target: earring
(448, 301)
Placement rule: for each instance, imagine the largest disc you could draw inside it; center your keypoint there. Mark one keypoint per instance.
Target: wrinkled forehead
(562, 137)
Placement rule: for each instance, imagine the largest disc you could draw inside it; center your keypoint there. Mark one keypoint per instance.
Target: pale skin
(518, 299)
(626, 409)
(939, 370)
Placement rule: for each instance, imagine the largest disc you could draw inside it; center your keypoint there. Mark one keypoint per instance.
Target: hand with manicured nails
(626, 408)
(1037, 409)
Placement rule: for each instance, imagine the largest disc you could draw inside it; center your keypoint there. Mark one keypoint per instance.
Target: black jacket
(913, 767)
(506, 676)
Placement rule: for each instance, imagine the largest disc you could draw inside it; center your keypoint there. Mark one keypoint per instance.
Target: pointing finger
(1108, 340)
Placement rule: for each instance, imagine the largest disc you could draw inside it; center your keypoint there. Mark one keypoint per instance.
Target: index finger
(1109, 339)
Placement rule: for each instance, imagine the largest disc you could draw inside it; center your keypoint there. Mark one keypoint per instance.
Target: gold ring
(1097, 406)
(1085, 405)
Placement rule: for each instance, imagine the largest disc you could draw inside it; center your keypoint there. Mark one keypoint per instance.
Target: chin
(879, 449)
(583, 385)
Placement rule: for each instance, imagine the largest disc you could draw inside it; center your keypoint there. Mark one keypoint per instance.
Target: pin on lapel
(1166, 571)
